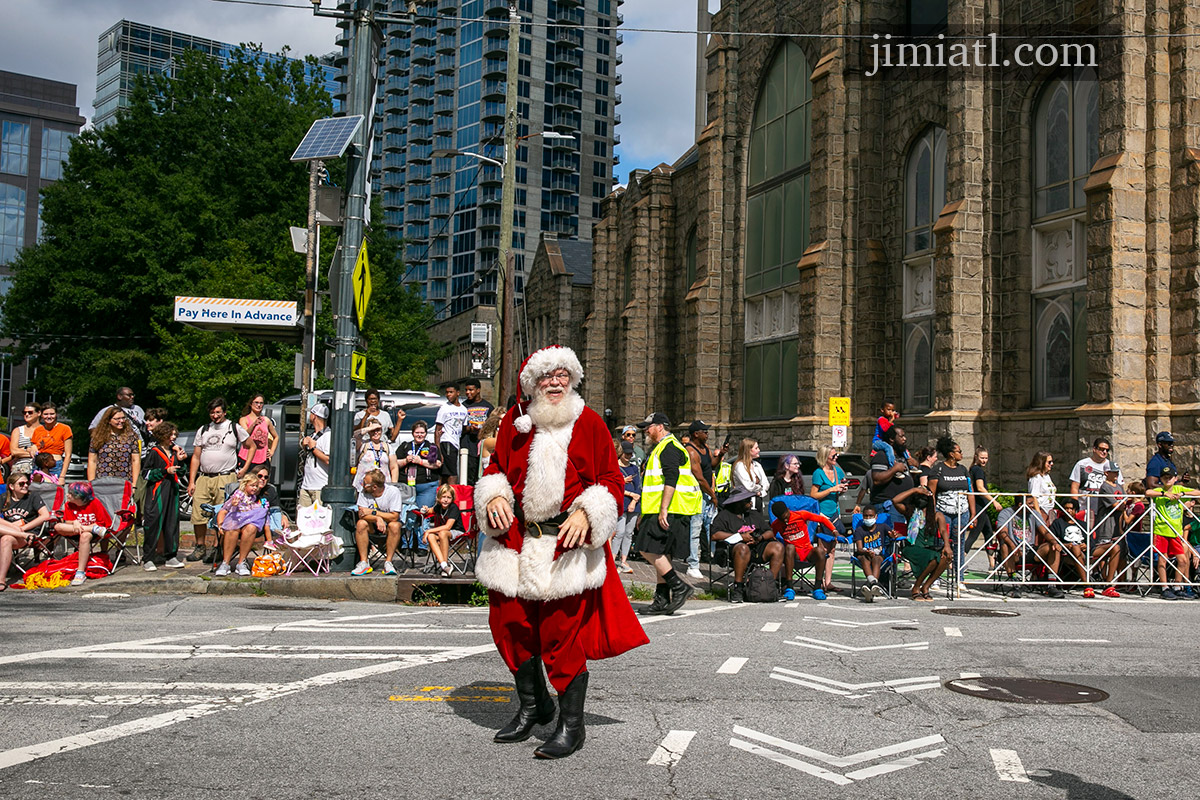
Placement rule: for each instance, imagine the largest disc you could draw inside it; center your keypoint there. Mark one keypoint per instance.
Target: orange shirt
(51, 441)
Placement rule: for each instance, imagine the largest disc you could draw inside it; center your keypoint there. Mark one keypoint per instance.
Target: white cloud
(658, 94)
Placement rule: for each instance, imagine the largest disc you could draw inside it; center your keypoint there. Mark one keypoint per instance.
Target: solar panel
(327, 138)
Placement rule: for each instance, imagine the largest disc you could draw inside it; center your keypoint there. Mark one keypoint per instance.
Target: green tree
(188, 192)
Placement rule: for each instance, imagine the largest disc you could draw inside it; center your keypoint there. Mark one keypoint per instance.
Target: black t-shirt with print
(441, 516)
(18, 511)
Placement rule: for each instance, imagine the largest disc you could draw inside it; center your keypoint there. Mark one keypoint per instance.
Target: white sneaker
(223, 569)
(79, 579)
(694, 572)
(389, 568)
(362, 568)
(148, 566)
(242, 569)
(174, 563)
(447, 570)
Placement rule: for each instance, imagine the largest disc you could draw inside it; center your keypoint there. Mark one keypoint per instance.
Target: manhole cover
(975, 612)
(1027, 691)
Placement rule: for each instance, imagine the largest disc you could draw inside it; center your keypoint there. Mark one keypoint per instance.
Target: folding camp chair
(43, 542)
(462, 545)
(116, 495)
(211, 512)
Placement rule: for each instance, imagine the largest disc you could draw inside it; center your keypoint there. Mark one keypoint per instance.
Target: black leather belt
(547, 527)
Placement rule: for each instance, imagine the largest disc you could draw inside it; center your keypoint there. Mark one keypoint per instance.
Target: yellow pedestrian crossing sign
(362, 284)
(358, 367)
(839, 411)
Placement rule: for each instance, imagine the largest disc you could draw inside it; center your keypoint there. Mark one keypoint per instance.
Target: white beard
(551, 416)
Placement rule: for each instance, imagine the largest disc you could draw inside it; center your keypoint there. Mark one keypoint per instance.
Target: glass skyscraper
(442, 87)
(129, 49)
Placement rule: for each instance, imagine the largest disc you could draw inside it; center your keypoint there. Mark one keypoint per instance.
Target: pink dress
(260, 434)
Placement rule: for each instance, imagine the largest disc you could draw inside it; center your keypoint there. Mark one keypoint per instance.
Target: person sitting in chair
(379, 507)
(750, 540)
(240, 519)
(444, 525)
(792, 527)
(84, 518)
(21, 516)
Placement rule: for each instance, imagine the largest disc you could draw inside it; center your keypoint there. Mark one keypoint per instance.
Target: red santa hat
(539, 363)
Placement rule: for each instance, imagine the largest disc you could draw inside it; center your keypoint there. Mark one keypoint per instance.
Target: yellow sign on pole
(362, 284)
(839, 411)
(358, 367)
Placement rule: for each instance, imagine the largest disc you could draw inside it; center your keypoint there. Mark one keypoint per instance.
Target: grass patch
(474, 595)
(640, 592)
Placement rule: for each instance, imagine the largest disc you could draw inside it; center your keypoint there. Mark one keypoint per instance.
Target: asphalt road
(183, 697)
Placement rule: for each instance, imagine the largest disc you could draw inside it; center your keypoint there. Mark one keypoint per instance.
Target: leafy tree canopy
(189, 192)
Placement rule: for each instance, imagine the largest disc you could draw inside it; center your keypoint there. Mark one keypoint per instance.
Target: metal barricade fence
(1023, 549)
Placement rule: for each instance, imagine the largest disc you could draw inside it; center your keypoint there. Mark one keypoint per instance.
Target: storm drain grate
(975, 612)
(1027, 691)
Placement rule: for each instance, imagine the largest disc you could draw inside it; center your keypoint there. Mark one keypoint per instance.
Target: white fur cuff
(487, 489)
(602, 513)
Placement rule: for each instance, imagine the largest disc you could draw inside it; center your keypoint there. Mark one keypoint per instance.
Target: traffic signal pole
(340, 493)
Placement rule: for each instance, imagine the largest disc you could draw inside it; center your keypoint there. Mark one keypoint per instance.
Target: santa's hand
(500, 514)
(574, 531)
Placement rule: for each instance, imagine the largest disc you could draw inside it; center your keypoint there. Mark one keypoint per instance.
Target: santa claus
(549, 503)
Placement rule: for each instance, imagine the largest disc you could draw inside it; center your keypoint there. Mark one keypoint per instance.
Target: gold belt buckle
(533, 529)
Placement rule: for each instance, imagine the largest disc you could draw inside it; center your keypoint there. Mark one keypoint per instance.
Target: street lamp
(506, 286)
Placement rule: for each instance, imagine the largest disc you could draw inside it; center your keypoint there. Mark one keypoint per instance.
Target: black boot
(569, 735)
(681, 590)
(662, 596)
(536, 706)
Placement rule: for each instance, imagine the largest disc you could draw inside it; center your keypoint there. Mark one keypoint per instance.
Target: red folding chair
(462, 546)
(116, 495)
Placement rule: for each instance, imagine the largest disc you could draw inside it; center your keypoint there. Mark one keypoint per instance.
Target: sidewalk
(197, 578)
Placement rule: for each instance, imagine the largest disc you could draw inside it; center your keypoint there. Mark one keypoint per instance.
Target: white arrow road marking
(833, 647)
(770, 627)
(850, 623)
(1008, 766)
(671, 749)
(732, 666)
(836, 761)
(856, 690)
(953, 632)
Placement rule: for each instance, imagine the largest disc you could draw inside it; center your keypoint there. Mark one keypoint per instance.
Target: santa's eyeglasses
(562, 376)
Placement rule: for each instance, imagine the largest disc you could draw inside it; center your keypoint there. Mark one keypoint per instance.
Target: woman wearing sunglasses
(21, 515)
(23, 448)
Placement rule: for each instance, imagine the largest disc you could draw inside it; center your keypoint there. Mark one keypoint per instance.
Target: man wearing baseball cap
(629, 434)
(1170, 538)
(1161, 459)
(314, 457)
(670, 495)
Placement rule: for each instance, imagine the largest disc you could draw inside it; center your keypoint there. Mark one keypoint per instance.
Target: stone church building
(1008, 253)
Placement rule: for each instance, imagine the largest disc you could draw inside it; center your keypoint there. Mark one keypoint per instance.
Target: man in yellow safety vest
(670, 497)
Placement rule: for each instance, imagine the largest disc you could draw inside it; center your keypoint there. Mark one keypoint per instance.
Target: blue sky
(57, 39)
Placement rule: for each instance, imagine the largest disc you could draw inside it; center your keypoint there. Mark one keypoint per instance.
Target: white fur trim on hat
(547, 359)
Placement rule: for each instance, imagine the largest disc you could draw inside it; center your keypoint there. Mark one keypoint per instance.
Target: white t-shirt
(373, 457)
(384, 418)
(316, 474)
(1043, 490)
(390, 500)
(1090, 475)
(452, 418)
(219, 446)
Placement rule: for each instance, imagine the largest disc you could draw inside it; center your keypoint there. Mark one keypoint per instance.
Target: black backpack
(761, 586)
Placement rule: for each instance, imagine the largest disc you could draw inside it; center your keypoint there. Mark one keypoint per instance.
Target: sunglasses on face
(20, 483)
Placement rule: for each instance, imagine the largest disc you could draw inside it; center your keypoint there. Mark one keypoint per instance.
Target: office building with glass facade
(129, 49)
(442, 87)
(38, 117)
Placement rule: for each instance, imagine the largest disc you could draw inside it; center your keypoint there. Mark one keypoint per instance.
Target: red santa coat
(545, 472)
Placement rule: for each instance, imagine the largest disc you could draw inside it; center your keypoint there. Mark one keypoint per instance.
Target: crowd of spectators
(933, 508)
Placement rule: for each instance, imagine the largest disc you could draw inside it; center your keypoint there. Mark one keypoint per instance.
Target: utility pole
(312, 253)
(359, 98)
(506, 286)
